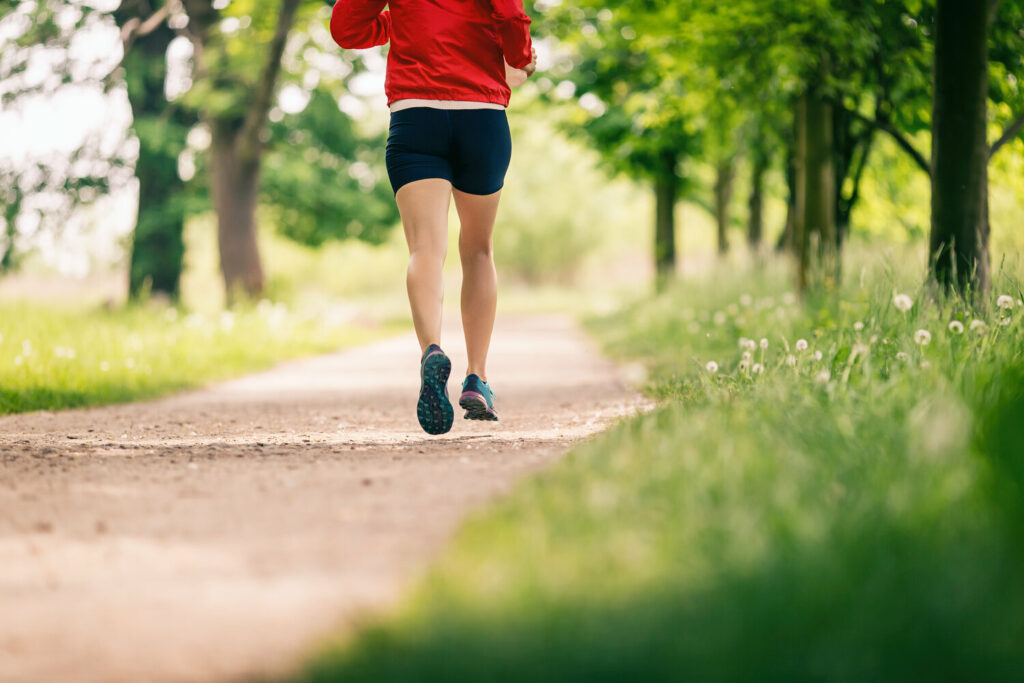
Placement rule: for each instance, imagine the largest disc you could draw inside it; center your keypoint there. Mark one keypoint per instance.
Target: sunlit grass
(52, 358)
(850, 511)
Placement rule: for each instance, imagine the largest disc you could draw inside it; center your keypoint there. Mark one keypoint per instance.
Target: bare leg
(424, 208)
(479, 279)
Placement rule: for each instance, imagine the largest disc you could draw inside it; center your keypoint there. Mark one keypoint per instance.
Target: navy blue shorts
(470, 148)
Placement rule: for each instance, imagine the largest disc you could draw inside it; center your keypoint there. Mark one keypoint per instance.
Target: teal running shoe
(478, 399)
(434, 409)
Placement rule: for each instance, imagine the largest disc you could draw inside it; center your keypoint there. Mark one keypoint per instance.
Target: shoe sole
(434, 409)
(476, 407)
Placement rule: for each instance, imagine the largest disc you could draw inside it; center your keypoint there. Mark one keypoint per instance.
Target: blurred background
(121, 121)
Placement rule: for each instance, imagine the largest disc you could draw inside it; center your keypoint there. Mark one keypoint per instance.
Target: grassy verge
(53, 358)
(847, 510)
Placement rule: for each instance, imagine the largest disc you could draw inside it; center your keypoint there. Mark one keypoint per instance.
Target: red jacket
(440, 49)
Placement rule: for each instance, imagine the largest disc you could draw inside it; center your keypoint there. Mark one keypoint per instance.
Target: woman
(447, 85)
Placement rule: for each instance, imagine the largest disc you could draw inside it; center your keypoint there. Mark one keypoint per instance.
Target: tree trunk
(666, 192)
(158, 249)
(755, 205)
(234, 184)
(723, 193)
(959, 229)
(815, 180)
(787, 240)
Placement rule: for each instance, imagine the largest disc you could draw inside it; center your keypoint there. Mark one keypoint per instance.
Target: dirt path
(218, 533)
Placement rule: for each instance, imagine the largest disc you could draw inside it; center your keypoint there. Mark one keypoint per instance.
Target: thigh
(481, 150)
(477, 214)
(418, 147)
(423, 205)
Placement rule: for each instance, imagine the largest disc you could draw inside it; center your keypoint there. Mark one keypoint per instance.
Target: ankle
(481, 375)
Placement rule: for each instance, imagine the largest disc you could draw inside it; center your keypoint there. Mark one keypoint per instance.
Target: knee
(428, 253)
(474, 249)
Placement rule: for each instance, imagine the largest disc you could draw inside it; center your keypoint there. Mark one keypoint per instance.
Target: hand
(531, 68)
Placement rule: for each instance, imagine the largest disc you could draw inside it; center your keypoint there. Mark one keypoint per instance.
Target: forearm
(513, 28)
(357, 24)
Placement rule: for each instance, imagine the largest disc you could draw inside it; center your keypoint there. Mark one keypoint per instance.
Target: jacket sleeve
(356, 24)
(513, 27)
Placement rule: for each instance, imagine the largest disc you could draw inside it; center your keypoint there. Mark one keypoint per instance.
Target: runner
(449, 68)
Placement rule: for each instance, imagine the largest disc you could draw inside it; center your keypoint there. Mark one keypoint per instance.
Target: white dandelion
(764, 343)
(757, 369)
(858, 326)
(903, 302)
(747, 355)
(956, 327)
(978, 326)
(823, 377)
(791, 360)
(1004, 301)
(922, 337)
(711, 367)
(816, 355)
(902, 356)
(801, 344)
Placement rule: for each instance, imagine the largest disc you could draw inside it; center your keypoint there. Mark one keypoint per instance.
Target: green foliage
(324, 179)
(779, 525)
(52, 359)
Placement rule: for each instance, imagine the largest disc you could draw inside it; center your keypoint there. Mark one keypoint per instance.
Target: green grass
(53, 358)
(858, 517)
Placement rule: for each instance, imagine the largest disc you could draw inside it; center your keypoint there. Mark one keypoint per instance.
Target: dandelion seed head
(902, 356)
(922, 337)
(823, 377)
(791, 360)
(1004, 301)
(746, 300)
(978, 326)
(757, 369)
(956, 327)
(764, 343)
(817, 355)
(902, 302)
(711, 367)
(1003, 322)
(858, 326)
(747, 355)
(801, 344)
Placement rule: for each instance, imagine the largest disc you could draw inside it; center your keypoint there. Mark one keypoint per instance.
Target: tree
(960, 150)
(158, 246)
(959, 147)
(635, 112)
(235, 105)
